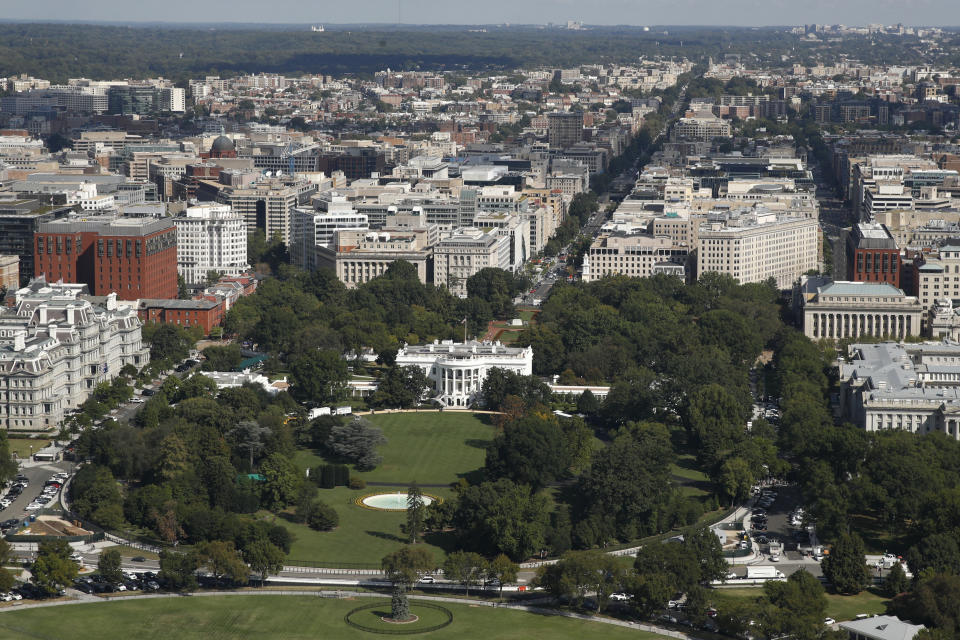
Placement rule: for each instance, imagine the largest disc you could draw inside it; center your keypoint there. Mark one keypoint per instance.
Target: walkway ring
(399, 631)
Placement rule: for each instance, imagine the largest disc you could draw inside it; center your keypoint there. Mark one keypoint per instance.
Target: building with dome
(223, 147)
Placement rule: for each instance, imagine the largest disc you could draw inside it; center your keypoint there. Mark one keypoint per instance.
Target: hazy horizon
(745, 13)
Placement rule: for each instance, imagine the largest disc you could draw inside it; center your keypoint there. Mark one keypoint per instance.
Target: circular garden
(375, 618)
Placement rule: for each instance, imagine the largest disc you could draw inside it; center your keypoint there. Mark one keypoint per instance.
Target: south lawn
(277, 618)
(434, 449)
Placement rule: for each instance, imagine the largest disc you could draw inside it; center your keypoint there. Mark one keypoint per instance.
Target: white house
(458, 369)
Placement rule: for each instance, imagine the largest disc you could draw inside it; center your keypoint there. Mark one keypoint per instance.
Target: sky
(634, 12)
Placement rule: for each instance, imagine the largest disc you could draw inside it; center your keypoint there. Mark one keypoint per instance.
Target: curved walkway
(362, 594)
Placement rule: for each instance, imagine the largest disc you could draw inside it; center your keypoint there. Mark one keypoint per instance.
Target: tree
(178, 569)
(416, 510)
(7, 578)
(407, 564)
(587, 403)
(322, 517)
(795, 607)
(896, 581)
(251, 437)
(222, 559)
(501, 517)
(281, 481)
(53, 569)
(357, 441)
(264, 558)
(503, 570)
(736, 479)
(932, 602)
(465, 567)
(845, 567)
(108, 565)
(318, 376)
(403, 568)
(95, 495)
(580, 573)
(530, 451)
(8, 468)
(401, 387)
(168, 342)
(705, 548)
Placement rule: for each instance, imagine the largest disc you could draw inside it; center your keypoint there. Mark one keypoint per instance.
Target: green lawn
(21, 446)
(838, 607)
(277, 618)
(364, 535)
(429, 447)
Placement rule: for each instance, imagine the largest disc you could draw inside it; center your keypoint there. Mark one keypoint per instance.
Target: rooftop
(883, 628)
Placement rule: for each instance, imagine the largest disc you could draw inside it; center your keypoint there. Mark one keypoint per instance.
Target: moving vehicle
(764, 573)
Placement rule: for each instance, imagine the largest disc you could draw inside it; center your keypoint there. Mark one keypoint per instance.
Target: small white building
(458, 369)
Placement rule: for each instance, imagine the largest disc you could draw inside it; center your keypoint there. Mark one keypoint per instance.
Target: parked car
(428, 580)
(619, 597)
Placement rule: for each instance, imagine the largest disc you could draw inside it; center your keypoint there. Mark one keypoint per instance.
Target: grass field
(364, 535)
(838, 607)
(21, 446)
(430, 447)
(277, 618)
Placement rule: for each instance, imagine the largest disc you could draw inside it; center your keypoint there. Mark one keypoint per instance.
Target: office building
(312, 229)
(19, 221)
(756, 245)
(636, 255)
(210, 238)
(872, 254)
(56, 347)
(466, 252)
(564, 128)
(360, 256)
(134, 257)
(9, 272)
(911, 387)
(267, 205)
(457, 370)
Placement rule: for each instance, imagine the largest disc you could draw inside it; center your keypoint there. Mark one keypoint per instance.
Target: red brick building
(872, 255)
(134, 257)
(186, 313)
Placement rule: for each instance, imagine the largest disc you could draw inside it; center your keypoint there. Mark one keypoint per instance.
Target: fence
(130, 543)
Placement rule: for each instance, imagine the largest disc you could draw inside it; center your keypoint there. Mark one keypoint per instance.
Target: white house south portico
(458, 369)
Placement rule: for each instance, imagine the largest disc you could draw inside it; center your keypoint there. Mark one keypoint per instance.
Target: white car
(33, 506)
(16, 596)
(774, 558)
(6, 597)
(619, 597)
(829, 621)
(428, 580)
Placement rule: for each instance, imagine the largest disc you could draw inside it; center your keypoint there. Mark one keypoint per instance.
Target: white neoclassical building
(458, 369)
(904, 387)
(852, 309)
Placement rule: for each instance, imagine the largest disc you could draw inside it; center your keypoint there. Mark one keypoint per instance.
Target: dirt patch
(54, 527)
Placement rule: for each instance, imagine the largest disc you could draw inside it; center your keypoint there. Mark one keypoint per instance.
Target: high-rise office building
(564, 128)
(210, 238)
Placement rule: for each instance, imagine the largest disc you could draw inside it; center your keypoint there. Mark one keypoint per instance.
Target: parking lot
(36, 474)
